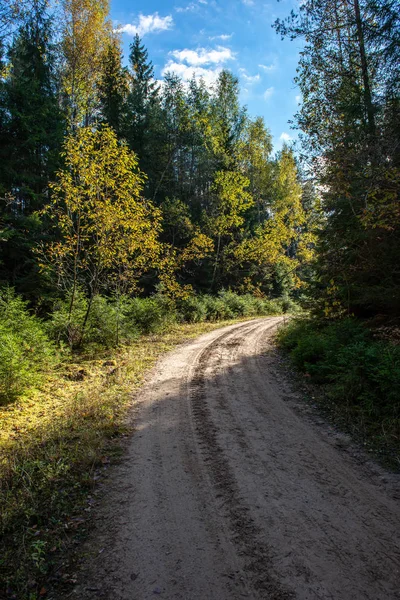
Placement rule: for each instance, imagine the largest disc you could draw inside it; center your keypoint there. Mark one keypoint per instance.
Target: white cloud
(224, 37)
(202, 56)
(268, 93)
(249, 79)
(202, 62)
(187, 72)
(298, 99)
(269, 68)
(248, 2)
(193, 6)
(148, 24)
(285, 137)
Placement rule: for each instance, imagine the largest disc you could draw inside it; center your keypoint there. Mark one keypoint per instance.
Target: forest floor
(233, 487)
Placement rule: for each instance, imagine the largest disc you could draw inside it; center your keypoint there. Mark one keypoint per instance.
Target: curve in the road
(229, 491)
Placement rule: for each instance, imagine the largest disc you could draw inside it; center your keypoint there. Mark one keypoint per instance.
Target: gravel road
(233, 489)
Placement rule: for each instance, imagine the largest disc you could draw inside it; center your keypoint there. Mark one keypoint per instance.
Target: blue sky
(204, 36)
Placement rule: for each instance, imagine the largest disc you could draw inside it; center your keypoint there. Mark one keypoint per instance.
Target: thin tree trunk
(216, 263)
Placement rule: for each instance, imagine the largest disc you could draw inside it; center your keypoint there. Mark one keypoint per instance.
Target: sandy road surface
(231, 490)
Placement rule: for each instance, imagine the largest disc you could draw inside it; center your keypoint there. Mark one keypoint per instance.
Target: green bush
(66, 321)
(111, 321)
(193, 309)
(149, 315)
(25, 350)
(271, 307)
(216, 308)
(236, 305)
(227, 305)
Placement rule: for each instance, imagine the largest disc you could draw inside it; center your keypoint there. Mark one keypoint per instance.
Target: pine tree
(228, 120)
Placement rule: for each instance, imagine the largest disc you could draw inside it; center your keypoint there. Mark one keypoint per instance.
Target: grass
(54, 443)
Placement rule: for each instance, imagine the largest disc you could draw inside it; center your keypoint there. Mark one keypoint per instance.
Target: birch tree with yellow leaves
(106, 233)
(86, 35)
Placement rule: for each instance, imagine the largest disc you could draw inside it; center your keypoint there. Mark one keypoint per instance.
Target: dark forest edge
(349, 120)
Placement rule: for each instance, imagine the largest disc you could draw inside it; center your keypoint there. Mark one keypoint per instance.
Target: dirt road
(231, 489)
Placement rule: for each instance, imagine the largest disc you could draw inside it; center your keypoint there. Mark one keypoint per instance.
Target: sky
(205, 36)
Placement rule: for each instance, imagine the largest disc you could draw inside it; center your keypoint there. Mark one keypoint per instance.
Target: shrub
(66, 321)
(216, 308)
(235, 304)
(193, 309)
(271, 307)
(149, 315)
(25, 350)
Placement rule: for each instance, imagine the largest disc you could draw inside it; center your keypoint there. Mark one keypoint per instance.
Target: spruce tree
(32, 128)
(113, 86)
(141, 104)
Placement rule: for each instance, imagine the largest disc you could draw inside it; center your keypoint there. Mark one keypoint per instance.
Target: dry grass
(53, 444)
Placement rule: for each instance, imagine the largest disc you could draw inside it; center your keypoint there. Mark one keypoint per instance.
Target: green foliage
(105, 325)
(114, 321)
(227, 305)
(25, 351)
(361, 374)
(149, 315)
(216, 308)
(193, 309)
(349, 120)
(31, 130)
(113, 86)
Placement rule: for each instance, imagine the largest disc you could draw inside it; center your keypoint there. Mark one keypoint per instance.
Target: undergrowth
(358, 374)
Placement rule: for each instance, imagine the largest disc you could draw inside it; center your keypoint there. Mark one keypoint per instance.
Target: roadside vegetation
(358, 376)
(349, 119)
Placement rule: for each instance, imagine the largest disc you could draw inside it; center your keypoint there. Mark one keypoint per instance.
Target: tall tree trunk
(364, 69)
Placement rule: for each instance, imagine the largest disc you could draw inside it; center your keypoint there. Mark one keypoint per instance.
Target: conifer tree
(228, 120)
(113, 86)
(32, 128)
(141, 103)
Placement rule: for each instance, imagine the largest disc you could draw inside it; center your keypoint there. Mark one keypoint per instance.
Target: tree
(113, 86)
(228, 120)
(229, 202)
(86, 32)
(349, 78)
(107, 234)
(12, 15)
(32, 127)
(270, 256)
(254, 156)
(172, 137)
(142, 105)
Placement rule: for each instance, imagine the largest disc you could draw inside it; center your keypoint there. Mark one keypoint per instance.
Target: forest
(131, 205)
